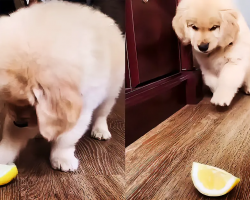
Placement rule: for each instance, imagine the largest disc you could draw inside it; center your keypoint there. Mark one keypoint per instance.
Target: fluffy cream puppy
(59, 63)
(220, 39)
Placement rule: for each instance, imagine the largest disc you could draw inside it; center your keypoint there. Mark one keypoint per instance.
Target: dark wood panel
(186, 55)
(186, 58)
(147, 114)
(133, 76)
(148, 106)
(156, 43)
(127, 74)
(194, 86)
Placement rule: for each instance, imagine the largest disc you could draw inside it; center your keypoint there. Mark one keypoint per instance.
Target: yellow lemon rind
(234, 181)
(9, 176)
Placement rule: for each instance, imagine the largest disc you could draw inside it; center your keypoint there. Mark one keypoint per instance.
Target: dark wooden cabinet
(152, 33)
(160, 78)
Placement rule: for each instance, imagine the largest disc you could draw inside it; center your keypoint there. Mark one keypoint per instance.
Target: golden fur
(59, 62)
(59, 103)
(222, 29)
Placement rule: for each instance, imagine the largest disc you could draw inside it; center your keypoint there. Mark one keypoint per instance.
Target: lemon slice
(7, 173)
(212, 181)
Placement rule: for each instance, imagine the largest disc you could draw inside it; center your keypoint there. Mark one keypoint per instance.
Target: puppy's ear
(180, 25)
(229, 27)
(57, 109)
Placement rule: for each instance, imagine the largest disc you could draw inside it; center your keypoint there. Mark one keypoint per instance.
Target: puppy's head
(53, 100)
(206, 24)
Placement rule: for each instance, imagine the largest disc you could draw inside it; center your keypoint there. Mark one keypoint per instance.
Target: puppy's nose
(203, 47)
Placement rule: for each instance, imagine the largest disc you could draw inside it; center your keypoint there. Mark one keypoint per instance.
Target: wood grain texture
(100, 174)
(158, 165)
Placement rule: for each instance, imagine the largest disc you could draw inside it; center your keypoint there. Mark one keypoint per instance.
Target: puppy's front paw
(6, 160)
(100, 134)
(222, 97)
(64, 162)
(7, 156)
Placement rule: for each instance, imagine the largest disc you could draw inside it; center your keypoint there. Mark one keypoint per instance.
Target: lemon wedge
(212, 181)
(7, 173)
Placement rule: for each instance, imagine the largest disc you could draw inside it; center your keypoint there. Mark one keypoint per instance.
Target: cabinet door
(127, 75)
(157, 46)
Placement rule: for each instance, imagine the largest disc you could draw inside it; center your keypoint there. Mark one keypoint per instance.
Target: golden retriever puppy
(220, 39)
(59, 63)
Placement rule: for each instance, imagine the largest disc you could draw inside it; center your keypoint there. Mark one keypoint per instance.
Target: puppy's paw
(101, 133)
(7, 156)
(5, 160)
(222, 97)
(64, 163)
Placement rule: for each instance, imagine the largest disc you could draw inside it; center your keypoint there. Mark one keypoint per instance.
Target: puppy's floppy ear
(57, 108)
(179, 24)
(229, 27)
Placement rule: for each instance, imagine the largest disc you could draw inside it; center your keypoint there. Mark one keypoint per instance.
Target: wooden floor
(158, 165)
(100, 175)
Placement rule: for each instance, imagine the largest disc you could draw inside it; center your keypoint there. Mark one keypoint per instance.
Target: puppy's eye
(214, 28)
(195, 28)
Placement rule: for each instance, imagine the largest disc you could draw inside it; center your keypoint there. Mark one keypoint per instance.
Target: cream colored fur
(66, 61)
(226, 64)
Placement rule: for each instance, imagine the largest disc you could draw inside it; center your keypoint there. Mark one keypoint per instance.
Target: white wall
(244, 7)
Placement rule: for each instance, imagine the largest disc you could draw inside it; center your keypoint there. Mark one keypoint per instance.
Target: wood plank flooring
(158, 165)
(100, 175)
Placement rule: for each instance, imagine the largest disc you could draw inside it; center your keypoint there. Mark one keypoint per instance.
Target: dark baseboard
(149, 106)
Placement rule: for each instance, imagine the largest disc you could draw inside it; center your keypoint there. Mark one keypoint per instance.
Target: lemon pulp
(7, 173)
(212, 181)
